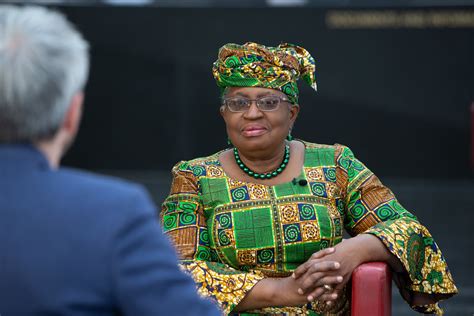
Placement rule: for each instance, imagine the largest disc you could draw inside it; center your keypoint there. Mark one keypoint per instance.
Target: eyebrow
(264, 94)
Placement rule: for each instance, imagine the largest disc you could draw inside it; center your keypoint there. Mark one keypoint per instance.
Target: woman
(259, 225)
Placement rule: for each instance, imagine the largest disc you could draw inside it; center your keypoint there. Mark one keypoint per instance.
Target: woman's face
(255, 129)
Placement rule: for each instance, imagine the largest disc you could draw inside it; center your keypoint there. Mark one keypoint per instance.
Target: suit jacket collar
(24, 154)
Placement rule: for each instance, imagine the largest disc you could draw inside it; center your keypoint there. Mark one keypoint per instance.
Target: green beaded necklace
(267, 175)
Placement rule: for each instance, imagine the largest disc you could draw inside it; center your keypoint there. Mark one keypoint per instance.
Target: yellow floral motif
(215, 172)
(310, 231)
(314, 174)
(257, 191)
(289, 213)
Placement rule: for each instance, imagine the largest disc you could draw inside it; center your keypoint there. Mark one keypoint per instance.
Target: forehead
(252, 92)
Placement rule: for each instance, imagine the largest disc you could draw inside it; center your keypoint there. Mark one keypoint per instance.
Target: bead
(267, 175)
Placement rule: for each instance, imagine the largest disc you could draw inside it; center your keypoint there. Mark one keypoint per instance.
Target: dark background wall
(398, 96)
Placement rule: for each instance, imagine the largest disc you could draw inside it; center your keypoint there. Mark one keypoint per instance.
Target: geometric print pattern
(248, 231)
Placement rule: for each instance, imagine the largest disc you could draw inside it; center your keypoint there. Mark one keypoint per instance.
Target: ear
(294, 110)
(222, 112)
(73, 115)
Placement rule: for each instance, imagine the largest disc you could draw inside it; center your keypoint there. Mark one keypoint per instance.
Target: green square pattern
(214, 191)
(325, 225)
(230, 254)
(317, 157)
(253, 228)
(286, 189)
(296, 253)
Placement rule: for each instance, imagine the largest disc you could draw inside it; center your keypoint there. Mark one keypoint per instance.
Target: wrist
(371, 248)
(356, 247)
(271, 291)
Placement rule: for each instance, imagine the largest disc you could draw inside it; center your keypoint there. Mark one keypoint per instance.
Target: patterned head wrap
(254, 65)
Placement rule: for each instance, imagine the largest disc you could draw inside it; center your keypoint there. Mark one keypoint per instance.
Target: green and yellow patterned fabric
(255, 65)
(231, 234)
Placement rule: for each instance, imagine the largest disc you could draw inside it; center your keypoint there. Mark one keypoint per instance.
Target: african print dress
(231, 234)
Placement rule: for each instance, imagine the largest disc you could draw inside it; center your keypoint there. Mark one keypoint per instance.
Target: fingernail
(337, 265)
(339, 279)
(334, 296)
(293, 275)
(328, 303)
(310, 298)
(331, 249)
(300, 291)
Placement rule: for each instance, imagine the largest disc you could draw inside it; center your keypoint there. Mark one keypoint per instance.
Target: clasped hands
(322, 277)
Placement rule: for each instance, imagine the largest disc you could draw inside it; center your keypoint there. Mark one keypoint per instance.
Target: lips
(253, 130)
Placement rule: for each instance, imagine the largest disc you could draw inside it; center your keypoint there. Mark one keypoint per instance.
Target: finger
(318, 280)
(332, 281)
(315, 294)
(321, 253)
(314, 266)
(301, 270)
(329, 296)
(317, 255)
(323, 266)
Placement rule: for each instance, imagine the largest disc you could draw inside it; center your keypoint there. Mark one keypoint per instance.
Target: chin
(255, 143)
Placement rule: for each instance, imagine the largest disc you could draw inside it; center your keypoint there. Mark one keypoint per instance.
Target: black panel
(398, 97)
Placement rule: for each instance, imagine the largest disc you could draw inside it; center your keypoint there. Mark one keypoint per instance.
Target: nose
(253, 111)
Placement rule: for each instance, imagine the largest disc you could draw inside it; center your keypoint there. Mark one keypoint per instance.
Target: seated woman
(259, 226)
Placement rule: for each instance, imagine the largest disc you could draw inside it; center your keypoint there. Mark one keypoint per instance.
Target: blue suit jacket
(73, 243)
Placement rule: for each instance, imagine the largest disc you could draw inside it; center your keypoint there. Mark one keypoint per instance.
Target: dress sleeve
(371, 208)
(183, 220)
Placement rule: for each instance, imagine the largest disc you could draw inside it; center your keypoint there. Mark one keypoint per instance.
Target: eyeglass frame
(250, 101)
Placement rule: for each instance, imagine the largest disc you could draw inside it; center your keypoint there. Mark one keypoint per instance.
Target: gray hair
(44, 62)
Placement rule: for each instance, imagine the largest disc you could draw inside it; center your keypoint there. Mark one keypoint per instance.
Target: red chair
(372, 290)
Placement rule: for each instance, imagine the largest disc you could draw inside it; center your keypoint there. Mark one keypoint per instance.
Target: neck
(263, 162)
(52, 150)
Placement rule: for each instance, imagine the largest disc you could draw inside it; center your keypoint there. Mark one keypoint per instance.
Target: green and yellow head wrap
(255, 65)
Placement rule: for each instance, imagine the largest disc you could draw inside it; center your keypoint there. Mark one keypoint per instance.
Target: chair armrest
(372, 290)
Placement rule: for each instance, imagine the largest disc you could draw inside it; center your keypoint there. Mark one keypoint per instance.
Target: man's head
(44, 63)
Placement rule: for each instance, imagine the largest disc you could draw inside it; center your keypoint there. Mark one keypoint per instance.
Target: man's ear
(72, 119)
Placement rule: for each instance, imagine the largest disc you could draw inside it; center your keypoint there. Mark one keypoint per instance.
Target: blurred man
(71, 243)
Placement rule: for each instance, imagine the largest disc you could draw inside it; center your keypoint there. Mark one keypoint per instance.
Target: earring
(229, 142)
(289, 137)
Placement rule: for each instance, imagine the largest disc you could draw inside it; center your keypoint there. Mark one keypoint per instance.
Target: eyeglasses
(265, 104)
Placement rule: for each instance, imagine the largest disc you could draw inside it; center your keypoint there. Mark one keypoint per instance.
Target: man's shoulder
(101, 188)
(95, 180)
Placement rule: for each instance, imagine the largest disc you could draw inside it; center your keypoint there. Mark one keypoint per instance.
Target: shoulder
(196, 165)
(97, 181)
(324, 154)
(328, 155)
(186, 174)
(101, 190)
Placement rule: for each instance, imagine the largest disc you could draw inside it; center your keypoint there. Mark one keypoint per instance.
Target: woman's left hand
(348, 254)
